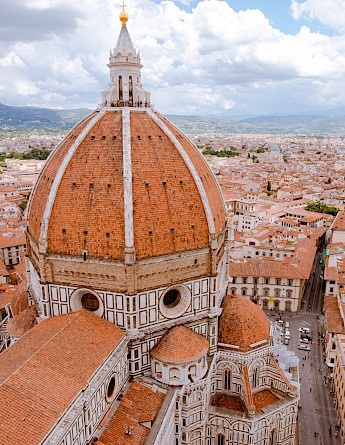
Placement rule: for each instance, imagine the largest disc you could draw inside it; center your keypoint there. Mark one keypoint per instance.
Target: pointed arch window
(220, 439)
(120, 88)
(227, 379)
(130, 90)
(256, 377)
(273, 437)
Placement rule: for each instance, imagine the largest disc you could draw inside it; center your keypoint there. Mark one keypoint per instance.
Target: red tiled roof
(243, 323)
(140, 404)
(333, 319)
(41, 374)
(180, 345)
(20, 324)
(264, 398)
(168, 209)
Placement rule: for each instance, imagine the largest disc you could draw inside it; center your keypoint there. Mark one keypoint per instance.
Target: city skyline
(200, 58)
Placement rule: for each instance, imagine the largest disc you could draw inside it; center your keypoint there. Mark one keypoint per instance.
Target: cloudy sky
(206, 57)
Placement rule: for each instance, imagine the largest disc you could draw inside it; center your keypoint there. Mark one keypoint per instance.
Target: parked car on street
(304, 330)
(304, 340)
(287, 334)
(304, 347)
(305, 337)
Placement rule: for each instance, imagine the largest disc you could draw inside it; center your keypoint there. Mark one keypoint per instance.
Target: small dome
(243, 324)
(180, 345)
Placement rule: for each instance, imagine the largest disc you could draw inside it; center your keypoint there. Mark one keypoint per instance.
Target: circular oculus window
(111, 389)
(175, 301)
(86, 299)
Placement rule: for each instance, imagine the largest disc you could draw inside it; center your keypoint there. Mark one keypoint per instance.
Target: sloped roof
(140, 404)
(42, 373)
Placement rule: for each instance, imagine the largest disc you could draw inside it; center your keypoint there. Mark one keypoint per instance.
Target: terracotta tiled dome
(243, 324)
(125, 155)
(180, 345)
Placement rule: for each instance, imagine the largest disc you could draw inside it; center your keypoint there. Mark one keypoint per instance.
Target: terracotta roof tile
(242, 324)
(264, 398)
(333, 319)
(168, 211)
(20, 324)
(180, 345)
(140, 404)
(38, 377)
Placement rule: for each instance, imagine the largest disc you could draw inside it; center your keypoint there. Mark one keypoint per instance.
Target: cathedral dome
(125, 203)
(125, 158)
(179, 357)
(243, 325)
(180, 345)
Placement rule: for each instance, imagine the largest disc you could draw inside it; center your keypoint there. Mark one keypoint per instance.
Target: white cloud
(209, 60)
(328, 12)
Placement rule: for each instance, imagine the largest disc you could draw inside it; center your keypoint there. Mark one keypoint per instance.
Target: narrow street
(317, 415)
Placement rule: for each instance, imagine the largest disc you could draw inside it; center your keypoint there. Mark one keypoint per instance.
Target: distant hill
(35, 117)
(329, 121)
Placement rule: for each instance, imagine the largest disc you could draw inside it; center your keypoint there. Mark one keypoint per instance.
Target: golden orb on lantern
(123, 16)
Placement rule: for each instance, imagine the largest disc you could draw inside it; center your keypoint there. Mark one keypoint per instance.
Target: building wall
(280, 294)
(339, 382)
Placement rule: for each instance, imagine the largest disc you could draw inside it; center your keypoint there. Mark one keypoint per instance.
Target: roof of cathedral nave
(180, 345)
(34, 391)
(243, 325)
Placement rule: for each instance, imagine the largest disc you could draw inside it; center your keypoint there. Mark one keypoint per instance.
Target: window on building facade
(244, 280)
(288, 306)
(273, 437)
(90, 302)
(290, 282)
(220, 439)
(278, 281)
(277, 293)
(256, 377)
(276, 304)
(267, 280)
(265, 304)
(244, 291)
(227, 379)
(266, 292)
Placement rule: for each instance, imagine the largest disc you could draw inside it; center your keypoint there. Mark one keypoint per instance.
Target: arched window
(288, 306)
(277, 293)
(192, 370)
(130, 90)
(220, 439)
(273, 437)
(256, 377)
(120, 88)
(288, 293)
(174, 373)
(227, 379)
